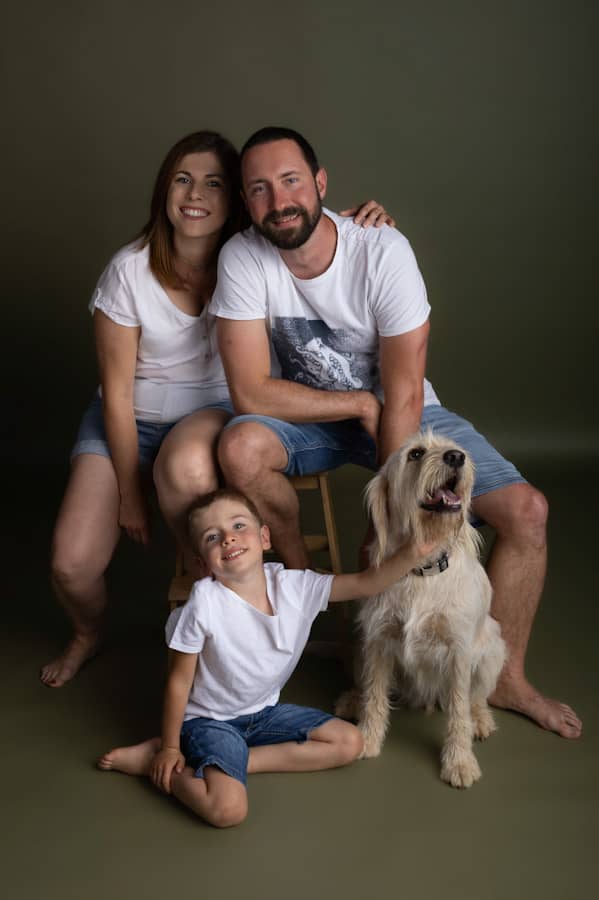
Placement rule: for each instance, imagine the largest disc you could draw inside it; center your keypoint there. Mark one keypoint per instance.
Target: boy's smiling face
(229, 539)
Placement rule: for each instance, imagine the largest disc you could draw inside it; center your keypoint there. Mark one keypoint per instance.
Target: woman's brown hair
(158, 231)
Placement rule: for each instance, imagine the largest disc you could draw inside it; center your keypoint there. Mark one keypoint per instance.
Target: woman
(164, 398)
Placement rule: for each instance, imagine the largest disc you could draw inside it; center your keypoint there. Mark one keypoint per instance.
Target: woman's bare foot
(80, 649)
(133, 760)
(521, 696)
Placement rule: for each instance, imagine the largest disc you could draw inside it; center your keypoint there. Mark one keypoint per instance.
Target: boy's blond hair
(207, 500)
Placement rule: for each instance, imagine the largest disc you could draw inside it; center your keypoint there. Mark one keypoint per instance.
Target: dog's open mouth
(443, 499)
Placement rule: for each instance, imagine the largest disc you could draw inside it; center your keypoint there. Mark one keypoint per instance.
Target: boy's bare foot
(80, 649)
(133, 760)
(521, 696)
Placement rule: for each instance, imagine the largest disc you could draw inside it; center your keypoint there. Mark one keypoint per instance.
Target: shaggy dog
(433, 627)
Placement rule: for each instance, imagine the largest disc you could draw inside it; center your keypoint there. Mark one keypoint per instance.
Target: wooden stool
(182, 582)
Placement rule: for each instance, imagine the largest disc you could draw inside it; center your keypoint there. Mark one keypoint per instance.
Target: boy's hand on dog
(423, 550)
(163, 764)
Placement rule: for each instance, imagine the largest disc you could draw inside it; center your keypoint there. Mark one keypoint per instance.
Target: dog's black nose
(454, 458)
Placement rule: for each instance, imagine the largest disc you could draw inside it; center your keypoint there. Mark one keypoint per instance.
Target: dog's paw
(460, 769)
(483, 723)
(348, 704)
(372, 743)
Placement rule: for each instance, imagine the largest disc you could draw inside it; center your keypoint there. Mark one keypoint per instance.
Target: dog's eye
(416, 453)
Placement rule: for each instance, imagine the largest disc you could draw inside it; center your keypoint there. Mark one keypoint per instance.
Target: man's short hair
(278, 133)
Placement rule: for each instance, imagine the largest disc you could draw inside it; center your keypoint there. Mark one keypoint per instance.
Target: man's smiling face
(283, 197)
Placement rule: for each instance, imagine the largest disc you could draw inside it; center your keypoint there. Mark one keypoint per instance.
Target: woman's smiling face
(197, 203)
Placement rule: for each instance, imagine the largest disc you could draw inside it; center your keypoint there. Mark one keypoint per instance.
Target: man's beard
(290, 238)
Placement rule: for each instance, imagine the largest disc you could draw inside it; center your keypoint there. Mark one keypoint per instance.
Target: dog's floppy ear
(376, 503)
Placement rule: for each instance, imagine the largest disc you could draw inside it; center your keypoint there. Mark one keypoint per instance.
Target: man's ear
(321, 183)
(265, 535)
(242, 195)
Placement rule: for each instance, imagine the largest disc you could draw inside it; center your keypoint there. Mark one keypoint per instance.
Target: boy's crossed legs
(281, 738)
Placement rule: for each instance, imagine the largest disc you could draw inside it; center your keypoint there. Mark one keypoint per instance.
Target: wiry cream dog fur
(435, 630)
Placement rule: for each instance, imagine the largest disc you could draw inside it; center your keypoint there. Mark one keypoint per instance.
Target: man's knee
(529, 510)
(521, 511)
(247, 450)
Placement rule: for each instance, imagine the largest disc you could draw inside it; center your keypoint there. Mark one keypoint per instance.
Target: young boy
(234, 645)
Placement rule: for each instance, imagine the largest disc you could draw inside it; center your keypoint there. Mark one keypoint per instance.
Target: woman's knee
(247, 450)
(187, 470)
(73, 566)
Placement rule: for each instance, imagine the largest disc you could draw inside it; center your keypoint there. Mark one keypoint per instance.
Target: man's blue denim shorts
(318, 447)
(208, 742)
(91, 437)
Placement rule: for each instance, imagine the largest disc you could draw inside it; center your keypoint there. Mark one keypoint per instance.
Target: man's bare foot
(80, 649)
(133, 760)
(521, 697)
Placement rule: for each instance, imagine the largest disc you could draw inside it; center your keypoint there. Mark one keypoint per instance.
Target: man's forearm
(398, 421)
(294, 402)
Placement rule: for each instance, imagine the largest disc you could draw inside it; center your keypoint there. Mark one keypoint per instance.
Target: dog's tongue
(445, 496)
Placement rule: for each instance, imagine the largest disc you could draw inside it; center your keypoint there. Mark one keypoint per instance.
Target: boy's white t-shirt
(245, 656)
(178, 368)
(325, 330)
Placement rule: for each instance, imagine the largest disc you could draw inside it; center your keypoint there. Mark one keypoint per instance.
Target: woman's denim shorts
(91, 437)
(208, 742)
(318, 447)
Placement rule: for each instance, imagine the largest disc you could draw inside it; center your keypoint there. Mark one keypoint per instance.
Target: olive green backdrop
(472, 122)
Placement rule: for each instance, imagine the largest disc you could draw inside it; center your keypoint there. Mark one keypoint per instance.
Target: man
(346, 314)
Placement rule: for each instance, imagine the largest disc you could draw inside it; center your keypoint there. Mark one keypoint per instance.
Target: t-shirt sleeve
(241, 286)
(186, 628)
(316, 592)
(400, 303)
(115, 297)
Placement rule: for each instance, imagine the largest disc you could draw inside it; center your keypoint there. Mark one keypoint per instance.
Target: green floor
(382, 828)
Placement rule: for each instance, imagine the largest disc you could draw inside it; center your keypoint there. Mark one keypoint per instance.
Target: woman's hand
(163, 764)
(117, 357)
(134, 517)
(369, 213)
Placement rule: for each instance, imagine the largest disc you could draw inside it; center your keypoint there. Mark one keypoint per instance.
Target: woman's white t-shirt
(245, 656)
(178, 365)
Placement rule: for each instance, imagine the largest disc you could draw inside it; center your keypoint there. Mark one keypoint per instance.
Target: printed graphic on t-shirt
(313, 354)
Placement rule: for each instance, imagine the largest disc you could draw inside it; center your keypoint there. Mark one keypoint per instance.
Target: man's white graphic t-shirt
(325, 330)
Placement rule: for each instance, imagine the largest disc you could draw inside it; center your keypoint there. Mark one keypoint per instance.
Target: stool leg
(343, 613)
(329, 523)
